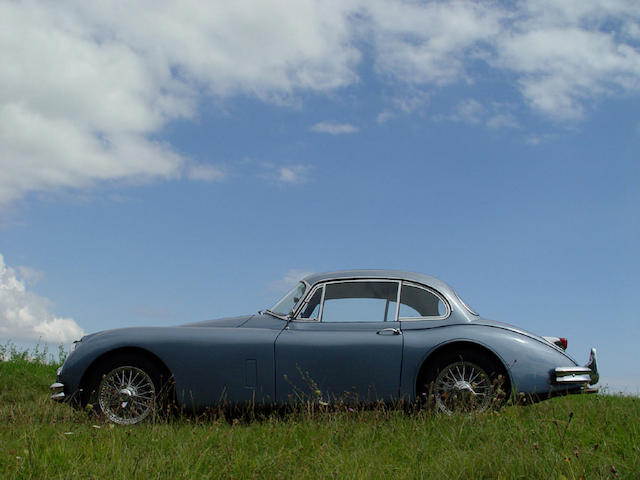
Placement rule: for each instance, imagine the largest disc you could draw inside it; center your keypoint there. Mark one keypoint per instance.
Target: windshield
(286, 304)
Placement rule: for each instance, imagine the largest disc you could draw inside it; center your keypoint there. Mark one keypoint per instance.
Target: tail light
(560, 342)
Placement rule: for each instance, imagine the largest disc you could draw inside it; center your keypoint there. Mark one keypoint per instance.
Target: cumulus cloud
(86, 87)
(25, 316)
(562, 55)
(334, 128)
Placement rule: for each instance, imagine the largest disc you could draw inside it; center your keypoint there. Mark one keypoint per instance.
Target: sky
(168, 162)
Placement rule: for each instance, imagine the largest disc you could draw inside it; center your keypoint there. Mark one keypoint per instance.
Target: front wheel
(126, 389)
(464, 381)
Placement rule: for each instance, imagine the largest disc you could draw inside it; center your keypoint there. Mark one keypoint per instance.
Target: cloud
(472, 112)
(502, 120)
(560, 55)
(293, 174)
(87, 87)
(25, 316)
(334, 128)
(433, 42)
(468, 111)
(206, 173)
(289, 280)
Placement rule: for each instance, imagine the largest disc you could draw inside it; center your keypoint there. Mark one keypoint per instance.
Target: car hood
(228, 322)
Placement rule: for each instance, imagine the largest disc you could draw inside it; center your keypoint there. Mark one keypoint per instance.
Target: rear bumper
(579, 375)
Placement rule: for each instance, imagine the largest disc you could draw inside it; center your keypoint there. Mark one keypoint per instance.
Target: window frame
(323, 285)
(430, 290)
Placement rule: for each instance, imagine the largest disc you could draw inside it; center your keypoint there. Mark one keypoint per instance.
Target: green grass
(590, 436)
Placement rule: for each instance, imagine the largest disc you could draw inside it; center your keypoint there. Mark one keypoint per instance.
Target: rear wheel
(125, 389)
(463, 381)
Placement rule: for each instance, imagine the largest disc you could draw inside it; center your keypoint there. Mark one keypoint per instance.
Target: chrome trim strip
(430, 290)
(323, 285)
(58, 397)
(307, 299)
(396, 318)
(321, 311)
(56, 385)
(574, 379)
(564, 371)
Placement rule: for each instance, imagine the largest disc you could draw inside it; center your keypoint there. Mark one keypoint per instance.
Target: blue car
(360, 336)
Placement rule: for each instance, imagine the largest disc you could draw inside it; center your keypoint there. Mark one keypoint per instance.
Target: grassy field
(590, 436)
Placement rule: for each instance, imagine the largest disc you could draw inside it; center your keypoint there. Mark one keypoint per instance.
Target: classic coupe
(361, 336)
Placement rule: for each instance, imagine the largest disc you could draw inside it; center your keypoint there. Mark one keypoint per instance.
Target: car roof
(383, 274)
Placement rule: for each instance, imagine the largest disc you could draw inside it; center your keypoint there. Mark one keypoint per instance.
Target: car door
(344, 344)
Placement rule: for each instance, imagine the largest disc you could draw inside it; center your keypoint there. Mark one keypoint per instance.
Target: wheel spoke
(462, 386)
(126, 395)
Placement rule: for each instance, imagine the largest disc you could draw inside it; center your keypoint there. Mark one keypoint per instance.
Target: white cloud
(289, 279)
(495, 116)
(384, 116)
(206, 173)
(25, 316)
(86, 86)
(431, 43)
(293, 174)
(502, 120)
(334, 128)
(468, 111)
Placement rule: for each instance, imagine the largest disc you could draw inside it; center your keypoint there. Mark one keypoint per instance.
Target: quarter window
(311, 309)
(360, 301)
(417, 302)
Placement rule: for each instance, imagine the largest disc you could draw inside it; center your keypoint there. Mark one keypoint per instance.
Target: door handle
(389, 331)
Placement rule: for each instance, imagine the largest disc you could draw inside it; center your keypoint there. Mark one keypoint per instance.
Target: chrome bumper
(579, 375)
(57, 389)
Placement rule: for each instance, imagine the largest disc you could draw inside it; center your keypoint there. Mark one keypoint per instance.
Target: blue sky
(177, 164)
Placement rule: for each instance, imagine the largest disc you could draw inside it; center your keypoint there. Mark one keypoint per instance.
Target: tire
(125, 388)
(464, 381)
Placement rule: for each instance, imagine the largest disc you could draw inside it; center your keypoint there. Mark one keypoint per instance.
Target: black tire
(126, 388)
(465, 380)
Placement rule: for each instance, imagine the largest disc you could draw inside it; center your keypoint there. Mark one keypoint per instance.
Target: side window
(312, 309)
(364, 301)
(419, 302)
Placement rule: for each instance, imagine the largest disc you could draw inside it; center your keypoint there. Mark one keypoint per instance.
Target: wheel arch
(106, 356)
(457, 345)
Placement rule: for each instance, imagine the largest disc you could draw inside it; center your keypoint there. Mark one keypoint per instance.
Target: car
(361, 336)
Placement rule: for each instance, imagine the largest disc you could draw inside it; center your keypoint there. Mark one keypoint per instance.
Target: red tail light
(564, 343)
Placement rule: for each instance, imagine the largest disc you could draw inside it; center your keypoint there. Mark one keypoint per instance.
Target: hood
(228, 322)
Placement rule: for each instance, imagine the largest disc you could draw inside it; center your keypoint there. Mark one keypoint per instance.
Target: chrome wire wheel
(463, 387)
(126, 395)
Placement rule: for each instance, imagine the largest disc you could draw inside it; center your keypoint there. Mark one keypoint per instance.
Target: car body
(358, 336)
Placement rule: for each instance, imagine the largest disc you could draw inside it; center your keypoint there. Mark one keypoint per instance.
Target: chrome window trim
(469, 309)
(302, 299)
(305, 300)
(430, 290)
(322, 285)
(396, 319)
(324, 290)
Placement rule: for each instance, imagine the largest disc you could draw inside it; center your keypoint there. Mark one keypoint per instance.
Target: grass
(589, 436)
